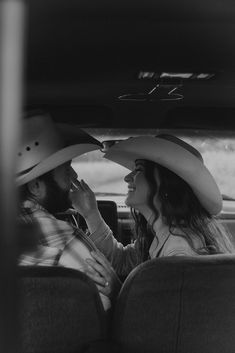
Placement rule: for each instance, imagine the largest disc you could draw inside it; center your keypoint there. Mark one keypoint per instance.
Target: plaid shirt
(59, 242)
(54, 234)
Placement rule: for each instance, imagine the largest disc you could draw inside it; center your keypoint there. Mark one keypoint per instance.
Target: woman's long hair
(180, 209)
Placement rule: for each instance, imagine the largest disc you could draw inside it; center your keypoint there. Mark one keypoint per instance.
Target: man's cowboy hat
(177, 156)
(44, 147)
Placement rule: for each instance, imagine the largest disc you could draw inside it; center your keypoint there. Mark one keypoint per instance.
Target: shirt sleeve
(123, 258)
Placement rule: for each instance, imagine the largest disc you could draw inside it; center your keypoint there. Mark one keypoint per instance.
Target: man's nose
(128, 177)
(73, 174)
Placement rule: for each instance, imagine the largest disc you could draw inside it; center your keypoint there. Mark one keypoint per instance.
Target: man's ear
(37, 188)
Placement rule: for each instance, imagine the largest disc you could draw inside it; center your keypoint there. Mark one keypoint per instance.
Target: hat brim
(175, 158)
(55, 160)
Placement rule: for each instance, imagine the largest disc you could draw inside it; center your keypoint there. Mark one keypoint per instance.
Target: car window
(106, 177)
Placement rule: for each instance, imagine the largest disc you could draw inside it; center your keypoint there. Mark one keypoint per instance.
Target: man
(50, 200)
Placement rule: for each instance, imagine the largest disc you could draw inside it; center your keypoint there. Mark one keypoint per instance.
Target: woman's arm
(122, 258)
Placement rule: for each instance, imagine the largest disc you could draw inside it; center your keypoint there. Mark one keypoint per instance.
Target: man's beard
(56, 200)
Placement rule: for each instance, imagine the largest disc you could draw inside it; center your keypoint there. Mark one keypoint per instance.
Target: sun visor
(75, 135)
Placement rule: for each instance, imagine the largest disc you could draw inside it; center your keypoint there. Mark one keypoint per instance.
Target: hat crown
(182, 144)
(40, 139)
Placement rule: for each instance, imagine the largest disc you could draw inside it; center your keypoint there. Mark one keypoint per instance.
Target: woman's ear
(37, 188)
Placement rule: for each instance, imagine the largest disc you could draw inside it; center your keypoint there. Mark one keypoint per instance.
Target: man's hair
(56, 199)
(24, 192)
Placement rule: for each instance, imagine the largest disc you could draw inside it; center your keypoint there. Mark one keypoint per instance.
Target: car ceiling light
(152, 75)
(147, 75)
(204, 76)
(176, 75)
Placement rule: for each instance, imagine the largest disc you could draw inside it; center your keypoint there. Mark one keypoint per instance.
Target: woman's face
(138, 188)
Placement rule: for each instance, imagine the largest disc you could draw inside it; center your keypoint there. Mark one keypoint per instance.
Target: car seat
(60, 311)
(108, 210)
(178, 304)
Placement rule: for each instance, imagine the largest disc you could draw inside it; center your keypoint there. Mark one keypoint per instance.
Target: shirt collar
(33, 205)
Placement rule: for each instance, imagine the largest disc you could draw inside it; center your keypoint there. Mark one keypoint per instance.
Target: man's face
(63, 175)
(58, 185)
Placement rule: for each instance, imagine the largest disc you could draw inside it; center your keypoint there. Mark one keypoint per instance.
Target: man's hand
(103, 274)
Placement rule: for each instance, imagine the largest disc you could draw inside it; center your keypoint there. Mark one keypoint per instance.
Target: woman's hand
(83, 199)
(103, 274)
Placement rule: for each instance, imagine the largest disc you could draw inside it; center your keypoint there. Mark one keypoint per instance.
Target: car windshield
(106, 177)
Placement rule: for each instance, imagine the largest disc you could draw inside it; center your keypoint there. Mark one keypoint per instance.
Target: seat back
(108, 210)
(60, 311)
(178, 304)
(229, 224)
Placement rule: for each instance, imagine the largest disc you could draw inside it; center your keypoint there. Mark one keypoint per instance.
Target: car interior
(116, 70)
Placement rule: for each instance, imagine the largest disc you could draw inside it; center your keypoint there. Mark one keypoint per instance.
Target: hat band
(181, 143)
(26, 171)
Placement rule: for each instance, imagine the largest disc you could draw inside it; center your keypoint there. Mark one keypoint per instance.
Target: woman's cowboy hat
(177, 156)
(44, 147)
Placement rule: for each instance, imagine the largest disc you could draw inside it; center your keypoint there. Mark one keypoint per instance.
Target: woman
(174, 200)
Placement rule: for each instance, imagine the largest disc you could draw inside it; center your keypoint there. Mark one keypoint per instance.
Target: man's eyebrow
(139, 163)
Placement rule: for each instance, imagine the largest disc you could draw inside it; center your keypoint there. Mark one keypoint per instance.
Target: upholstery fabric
(178, 305)
(60, 311)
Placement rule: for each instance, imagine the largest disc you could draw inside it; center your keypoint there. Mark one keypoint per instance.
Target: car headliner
(82, 55)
